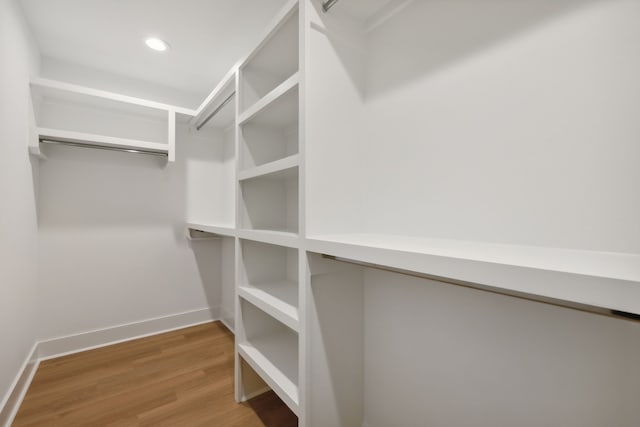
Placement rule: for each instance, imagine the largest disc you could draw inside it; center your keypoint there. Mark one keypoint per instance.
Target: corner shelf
(280, 238)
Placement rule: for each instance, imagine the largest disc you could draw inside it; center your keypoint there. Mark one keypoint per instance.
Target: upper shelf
(72, 114)
(62, 90)
(605, 280)
(370, 13)
(274, 60)
(278, 108)
(218, 109)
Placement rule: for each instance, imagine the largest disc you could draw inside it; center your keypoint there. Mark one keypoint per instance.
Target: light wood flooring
(180, 378)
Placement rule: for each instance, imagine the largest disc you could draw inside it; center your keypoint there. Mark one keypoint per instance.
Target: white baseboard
(62, 346)
(12, 401)
(70, 344)
(228, 318)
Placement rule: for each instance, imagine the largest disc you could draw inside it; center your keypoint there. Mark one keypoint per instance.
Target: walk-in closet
(324, 213)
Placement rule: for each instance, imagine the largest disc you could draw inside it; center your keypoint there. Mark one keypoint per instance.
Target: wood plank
(183, 377)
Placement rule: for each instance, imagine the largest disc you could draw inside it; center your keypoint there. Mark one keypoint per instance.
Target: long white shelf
(53, 85)
(281, 238)
(609, 281)
(222, 230)
(278, 299)
(283, 110)
(282, 376)
(101, 140)
(270, 168)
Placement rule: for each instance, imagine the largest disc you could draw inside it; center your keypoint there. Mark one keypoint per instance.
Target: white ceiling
(206, 36)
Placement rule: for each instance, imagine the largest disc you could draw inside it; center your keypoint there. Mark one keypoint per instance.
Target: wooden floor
(180, 378)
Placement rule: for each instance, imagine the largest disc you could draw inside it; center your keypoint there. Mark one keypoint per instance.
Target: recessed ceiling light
(156, 44)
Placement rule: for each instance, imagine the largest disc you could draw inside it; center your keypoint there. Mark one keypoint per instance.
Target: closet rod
(101, 147)
(216, 111)
(522, 295)
(328, 4)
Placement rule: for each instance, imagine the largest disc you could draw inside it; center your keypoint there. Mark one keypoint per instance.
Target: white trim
(13, 399)
(90, 340)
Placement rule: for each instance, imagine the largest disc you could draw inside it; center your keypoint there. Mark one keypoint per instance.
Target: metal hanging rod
(216, 111)
(328, 4)
(495, 290)
(101, 147)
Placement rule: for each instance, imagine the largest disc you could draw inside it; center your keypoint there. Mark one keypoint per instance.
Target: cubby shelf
(274, 358)
(270, 202)
(610, 281)
(278, 299)
(275, 167)
(278, 107)
(281, 238)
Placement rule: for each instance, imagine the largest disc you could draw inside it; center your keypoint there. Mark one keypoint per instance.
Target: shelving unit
(78, 115)
(337, 279)
(269, 171)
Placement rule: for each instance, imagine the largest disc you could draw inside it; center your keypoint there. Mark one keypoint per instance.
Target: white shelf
(270, 202)
(274, 59)
(278, 299)
(598, 279)
(70, 113)
(226, 115)
(281, 376)
(278, 108)
(222, 230)
(272, 168)
(58, 89)
(281, 238)
(102, 140)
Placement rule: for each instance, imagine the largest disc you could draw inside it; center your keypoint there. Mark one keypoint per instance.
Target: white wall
(506, 121)
(503, 121)
(112, 240)
(18, 227)
(440, 355)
